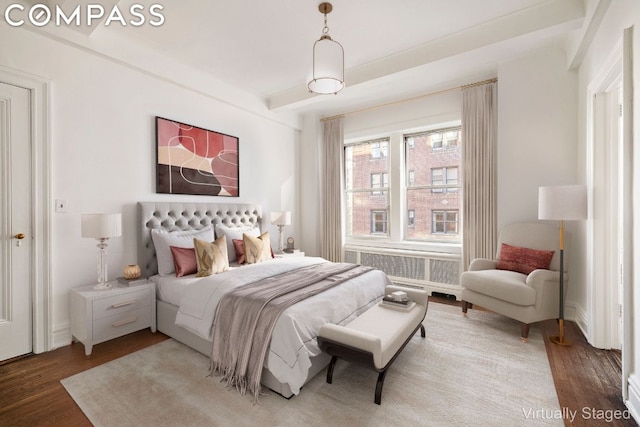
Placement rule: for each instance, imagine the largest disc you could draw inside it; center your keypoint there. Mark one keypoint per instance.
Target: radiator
(428, 271)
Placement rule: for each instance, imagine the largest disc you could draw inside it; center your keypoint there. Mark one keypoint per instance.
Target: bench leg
(332, 364)
(422, 332)
(379, 384)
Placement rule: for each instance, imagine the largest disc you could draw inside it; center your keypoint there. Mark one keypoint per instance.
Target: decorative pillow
(239, 248)
(211, 257)
(523, 260)
(257, 249)
(184, 260)
(162, 240)
(234, 233)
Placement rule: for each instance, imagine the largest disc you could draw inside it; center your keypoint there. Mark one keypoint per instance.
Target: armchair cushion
(523, 260)
(505, 285)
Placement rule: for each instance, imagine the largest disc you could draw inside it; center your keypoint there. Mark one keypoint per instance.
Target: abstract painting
(192, 160)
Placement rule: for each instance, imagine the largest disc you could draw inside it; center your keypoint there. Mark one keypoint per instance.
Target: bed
(173, 291)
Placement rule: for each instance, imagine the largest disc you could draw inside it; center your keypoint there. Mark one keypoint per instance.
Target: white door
(15, 222)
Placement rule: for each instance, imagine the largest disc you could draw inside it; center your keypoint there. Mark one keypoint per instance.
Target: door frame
(41, 300)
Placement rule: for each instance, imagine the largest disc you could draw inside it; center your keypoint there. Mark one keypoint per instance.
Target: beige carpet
(467, 371)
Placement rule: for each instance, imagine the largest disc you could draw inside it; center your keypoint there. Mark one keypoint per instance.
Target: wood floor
(587, 380)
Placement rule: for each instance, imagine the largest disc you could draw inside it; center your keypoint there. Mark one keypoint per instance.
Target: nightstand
(101, 315)
(287, 255)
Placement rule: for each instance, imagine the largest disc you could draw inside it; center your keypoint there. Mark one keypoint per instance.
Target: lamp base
(102, 286)
(560, 340)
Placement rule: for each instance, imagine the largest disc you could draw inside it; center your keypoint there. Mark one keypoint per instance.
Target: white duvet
(293, 342)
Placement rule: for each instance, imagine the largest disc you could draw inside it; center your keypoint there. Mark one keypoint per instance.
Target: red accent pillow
(238, 244)
(184, 260)
(523, 260)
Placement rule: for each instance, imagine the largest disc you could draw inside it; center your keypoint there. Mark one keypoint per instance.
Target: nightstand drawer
(116, 304)
(121, 324)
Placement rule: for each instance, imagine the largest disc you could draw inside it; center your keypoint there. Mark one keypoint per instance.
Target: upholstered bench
(377, 336)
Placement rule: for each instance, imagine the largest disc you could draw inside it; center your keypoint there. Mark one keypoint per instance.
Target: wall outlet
(61, 206)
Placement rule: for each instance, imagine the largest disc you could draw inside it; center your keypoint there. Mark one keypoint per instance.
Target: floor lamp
(562, 203)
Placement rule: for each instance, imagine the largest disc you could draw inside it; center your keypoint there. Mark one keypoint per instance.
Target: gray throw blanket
(246, 317)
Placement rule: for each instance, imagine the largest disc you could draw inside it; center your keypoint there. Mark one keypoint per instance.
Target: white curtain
(479, 130)
(331, 189)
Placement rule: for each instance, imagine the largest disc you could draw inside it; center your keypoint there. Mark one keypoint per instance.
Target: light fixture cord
(325, 29)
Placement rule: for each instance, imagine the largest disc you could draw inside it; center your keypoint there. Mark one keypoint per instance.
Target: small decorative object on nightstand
(289, 249)
(101, 315)
(132, 271)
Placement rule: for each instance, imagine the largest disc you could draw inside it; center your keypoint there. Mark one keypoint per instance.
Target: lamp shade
(101, 226)
(562, 202)
(281, 218)
(328, 66)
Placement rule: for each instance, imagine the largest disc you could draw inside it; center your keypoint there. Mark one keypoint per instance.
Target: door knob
(19, 236)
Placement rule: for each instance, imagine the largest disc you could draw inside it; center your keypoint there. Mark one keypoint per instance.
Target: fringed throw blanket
(246, 317)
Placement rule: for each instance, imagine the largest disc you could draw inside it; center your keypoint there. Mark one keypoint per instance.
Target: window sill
(443, 250)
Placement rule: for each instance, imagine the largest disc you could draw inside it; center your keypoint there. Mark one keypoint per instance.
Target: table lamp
(280, 219)
(102, 226)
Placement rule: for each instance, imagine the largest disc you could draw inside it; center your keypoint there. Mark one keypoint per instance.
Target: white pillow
(235, 233)
(162, 240)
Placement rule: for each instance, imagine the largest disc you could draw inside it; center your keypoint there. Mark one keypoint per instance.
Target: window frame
(397, 212)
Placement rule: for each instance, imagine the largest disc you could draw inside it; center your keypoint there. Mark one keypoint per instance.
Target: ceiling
(393, 48)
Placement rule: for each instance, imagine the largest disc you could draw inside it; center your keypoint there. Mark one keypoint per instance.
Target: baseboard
(575, 313)
(633, 403)
(61, 335)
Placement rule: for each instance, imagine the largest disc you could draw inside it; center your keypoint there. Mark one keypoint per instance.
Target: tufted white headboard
(186, 216)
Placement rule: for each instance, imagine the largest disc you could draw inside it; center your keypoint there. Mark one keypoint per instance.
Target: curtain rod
(401, 101)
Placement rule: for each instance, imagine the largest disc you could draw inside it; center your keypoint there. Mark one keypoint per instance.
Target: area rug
(467, 371)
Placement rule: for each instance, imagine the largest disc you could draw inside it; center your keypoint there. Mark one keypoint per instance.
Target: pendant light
(328, 60)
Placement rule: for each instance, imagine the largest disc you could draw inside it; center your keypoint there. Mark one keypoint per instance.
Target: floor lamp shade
(562, 203)
(102, 227)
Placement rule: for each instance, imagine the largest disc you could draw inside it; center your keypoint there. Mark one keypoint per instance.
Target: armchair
(528, 298)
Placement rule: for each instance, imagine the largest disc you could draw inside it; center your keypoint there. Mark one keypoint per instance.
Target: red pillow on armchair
(523, 260)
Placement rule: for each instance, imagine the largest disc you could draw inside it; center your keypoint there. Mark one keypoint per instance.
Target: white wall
(537, 131)
(620, 15)
(537, 144)
(103, 152)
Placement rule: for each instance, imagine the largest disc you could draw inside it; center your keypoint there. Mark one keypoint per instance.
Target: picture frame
(194, 160)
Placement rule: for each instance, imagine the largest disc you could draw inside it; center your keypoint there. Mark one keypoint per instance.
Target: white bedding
(293, 342)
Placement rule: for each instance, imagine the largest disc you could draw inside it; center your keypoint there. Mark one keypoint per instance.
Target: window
(379, 149)
(399, 209)
(441, 177)
(366, 188)
(379, 180)
(436, 141)
(435, 187)
(378, 222)
(444, 222)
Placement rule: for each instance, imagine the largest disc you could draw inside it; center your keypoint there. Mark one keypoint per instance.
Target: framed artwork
(192, 160)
